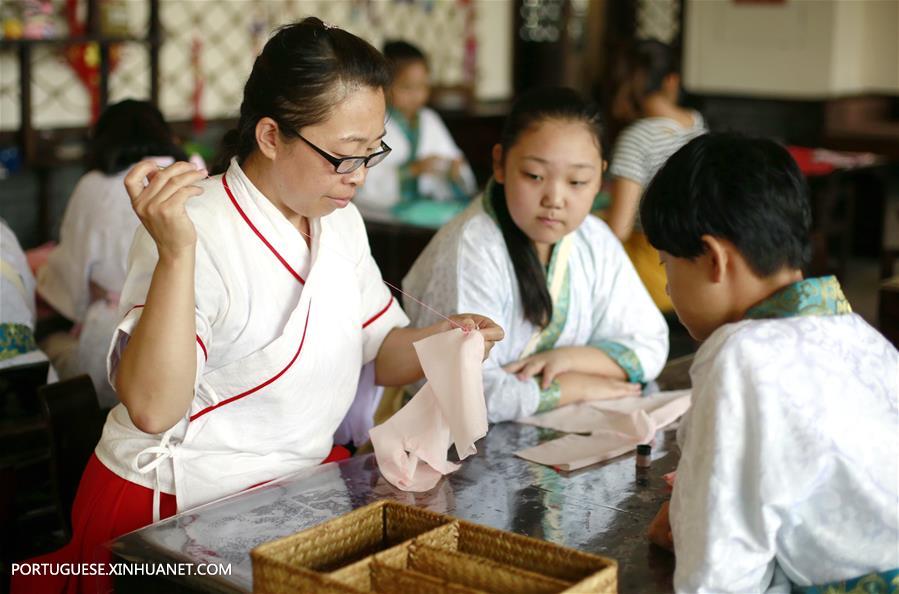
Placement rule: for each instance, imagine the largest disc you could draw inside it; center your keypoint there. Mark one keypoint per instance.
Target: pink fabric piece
(615, 428)
(411, 446)
(589, 417)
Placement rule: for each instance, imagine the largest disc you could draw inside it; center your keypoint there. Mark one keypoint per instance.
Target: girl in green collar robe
(579, 323)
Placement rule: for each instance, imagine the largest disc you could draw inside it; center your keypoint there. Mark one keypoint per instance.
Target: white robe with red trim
(282, 333)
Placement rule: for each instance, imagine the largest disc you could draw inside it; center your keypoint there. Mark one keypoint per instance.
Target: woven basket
(305, 558)
(588, 572)
(393, 548)
(480, 574)
(359, 574)
(390, 580)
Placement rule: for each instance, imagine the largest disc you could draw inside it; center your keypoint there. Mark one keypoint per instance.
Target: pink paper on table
(615, 427)
(411, 446)
(589, 417)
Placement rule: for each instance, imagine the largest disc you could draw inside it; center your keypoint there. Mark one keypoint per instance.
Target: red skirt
(106, 507)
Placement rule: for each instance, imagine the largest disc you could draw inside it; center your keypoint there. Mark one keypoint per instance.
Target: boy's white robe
(282, 334)
(789, 456)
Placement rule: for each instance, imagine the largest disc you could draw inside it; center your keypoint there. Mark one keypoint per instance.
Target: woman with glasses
(252, 301)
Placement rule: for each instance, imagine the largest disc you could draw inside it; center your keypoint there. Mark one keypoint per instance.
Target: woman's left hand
(489, 329)
(549, 364)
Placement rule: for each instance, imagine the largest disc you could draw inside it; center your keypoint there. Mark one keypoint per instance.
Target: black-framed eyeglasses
(351, 164)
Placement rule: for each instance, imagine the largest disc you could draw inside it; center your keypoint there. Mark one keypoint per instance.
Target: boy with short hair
(788, 471)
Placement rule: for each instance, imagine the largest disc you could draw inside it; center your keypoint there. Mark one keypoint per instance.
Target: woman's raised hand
(158, 197)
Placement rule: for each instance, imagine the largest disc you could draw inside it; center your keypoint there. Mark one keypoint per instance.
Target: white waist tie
(164, 451)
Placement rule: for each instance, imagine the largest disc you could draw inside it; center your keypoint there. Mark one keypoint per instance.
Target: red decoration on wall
(470, 59)
(84, 59)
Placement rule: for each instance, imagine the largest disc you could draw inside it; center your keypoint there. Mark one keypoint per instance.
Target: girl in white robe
(84, 274)
(249, 311)
(425, 164)
(579, 323)
(787, 480)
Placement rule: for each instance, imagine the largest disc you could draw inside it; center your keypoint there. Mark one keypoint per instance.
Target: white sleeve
(724, 534)
(208, 288)
(485, 287)
(381, 312)
(628, 325)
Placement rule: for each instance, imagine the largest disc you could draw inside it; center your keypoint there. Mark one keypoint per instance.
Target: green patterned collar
(821, 296)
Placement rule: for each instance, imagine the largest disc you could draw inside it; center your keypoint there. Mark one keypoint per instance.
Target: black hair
(304, 70)
(532, 108)
(127, 132)
(748, 191)
(400, 54)
(638, 71)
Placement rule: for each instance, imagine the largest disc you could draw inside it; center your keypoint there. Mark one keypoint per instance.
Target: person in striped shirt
(646, 98)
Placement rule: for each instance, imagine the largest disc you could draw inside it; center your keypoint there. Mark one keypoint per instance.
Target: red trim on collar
(256, 231)
(379, 314)
(199, 340)
(263, 384)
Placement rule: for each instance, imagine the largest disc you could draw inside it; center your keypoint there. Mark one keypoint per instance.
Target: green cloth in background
(427, 213)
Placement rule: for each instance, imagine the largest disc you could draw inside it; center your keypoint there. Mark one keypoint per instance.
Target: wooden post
(155, 38)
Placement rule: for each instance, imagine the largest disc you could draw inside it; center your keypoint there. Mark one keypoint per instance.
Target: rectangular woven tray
(397, 549)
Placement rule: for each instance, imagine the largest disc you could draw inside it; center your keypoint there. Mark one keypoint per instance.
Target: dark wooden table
(603, 509)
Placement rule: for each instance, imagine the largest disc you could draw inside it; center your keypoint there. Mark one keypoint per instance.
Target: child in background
(425, 163)
(788, 468)
(645, 96)
(85, 273)
(579, 323)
